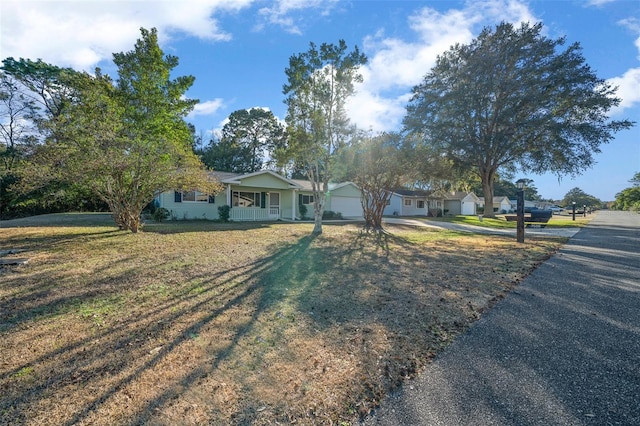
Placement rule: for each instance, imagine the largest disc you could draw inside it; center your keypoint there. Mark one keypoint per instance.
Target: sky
(238, 51)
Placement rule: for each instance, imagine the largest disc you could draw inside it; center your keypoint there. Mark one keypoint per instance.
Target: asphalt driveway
(563, 348)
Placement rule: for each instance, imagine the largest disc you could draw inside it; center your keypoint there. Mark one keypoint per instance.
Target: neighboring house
(500, 204)
(404, 202)
(459, 203)
(258, 196)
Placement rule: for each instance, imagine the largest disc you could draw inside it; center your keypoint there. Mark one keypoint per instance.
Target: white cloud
(207, 108)
(598, 3)
(628, 83)
(628, 90)
(279, 12)
(80, 34)
(396, 65)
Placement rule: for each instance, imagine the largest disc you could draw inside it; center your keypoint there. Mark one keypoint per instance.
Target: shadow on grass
(346, 285)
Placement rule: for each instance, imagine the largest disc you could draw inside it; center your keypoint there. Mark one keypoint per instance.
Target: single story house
(500, 204)
(404, 202)
(459, 203)
(259, 196)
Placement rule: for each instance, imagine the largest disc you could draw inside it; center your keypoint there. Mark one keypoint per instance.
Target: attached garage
(344, 198)
(347, 206)
(463, 203)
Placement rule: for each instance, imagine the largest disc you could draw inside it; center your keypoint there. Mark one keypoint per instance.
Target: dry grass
(203, 323)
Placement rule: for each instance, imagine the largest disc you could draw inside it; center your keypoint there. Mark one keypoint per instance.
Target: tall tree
(255, 131)
(17, 133)
(379, 165)
(581, 198)
(629, 198)
(248, 136)
(126, 141)
(319, 83)
(512, 100)
(46, 85)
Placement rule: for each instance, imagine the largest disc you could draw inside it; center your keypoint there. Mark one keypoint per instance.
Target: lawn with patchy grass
(205, 323)
(499, 222)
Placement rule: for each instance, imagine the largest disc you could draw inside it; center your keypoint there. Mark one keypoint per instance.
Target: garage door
(348, 206)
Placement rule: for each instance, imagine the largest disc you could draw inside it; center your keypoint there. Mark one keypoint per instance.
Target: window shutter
(299, 198)
(177, 197)
(263, 199)
(212, 199)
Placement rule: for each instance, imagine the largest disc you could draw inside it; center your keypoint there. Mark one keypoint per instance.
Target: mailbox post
(520, 211)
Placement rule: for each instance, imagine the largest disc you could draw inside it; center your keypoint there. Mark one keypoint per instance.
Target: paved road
(562, 349)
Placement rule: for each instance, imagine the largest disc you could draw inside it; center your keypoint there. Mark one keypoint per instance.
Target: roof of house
(412, 193)
(497, 199)
(306, 185)
(236, 178)
(459, 195)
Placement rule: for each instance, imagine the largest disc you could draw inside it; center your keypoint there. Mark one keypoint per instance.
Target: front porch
(245, 214)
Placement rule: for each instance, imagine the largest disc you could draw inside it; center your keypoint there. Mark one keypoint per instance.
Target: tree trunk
(318, 210)
(487, 189)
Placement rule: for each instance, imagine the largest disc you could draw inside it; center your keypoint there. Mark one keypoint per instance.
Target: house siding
(190, 210)
(342, 198)
(395, 206)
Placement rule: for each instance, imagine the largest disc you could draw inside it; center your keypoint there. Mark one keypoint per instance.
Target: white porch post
(293, 205)
(229, 195)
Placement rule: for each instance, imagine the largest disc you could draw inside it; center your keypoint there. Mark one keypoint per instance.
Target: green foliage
(328, 215)
(245, 138)
(224, 212)
(379, 166)
(319, 82)
(581, 198)
(471, 107)
(125, 141)
(629, 198)
(303, 211)
(160, 214)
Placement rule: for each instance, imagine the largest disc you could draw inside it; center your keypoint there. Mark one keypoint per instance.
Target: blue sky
(238, 51)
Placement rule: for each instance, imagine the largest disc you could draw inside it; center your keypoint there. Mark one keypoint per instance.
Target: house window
(407, 202)
(195, 197)
(245, 199)
(420, 204)
(306, 199)
(389, 202)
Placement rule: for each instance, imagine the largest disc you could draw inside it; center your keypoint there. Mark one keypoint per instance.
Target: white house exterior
(260, 196)
(500, 204)
(407, 203)
(343, 198)
(460, 203)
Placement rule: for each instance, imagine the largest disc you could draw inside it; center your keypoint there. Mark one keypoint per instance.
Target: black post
(573, 205)
(520, 216)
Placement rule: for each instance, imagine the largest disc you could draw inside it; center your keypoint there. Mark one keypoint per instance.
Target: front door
(274, 205)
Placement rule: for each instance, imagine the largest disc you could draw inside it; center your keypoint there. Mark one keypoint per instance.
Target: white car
(555, 209)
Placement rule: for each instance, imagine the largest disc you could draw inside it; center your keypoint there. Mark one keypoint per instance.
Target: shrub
(223, 213)
(303, 211)
(328, 214)
(160, 214)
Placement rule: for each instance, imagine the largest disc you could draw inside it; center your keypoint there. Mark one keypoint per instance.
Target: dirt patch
(200, 323)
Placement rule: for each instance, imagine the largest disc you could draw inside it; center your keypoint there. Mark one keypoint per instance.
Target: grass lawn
(562, 220)
(206, 323)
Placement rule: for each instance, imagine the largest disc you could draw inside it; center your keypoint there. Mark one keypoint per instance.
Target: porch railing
(252, 214)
